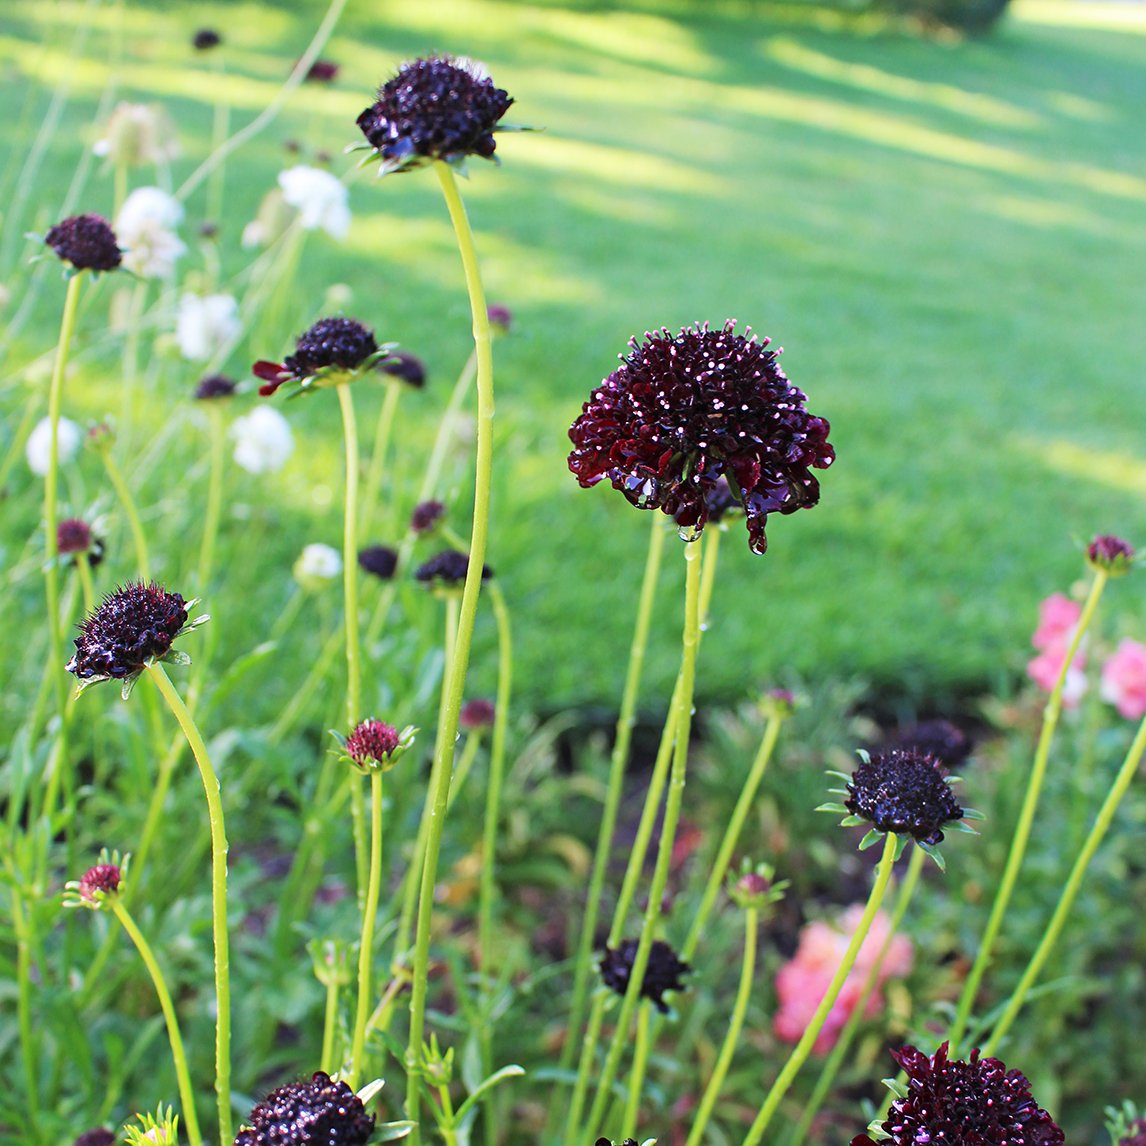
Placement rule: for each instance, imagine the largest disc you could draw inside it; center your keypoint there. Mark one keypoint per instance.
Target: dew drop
(689, 532)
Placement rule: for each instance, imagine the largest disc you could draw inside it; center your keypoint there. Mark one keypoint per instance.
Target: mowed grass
(947, 239)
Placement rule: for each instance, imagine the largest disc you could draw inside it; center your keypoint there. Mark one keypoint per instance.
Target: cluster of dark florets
(215, 386)
(133, 625)
(330, 345)
(974, 1103)
(316, 1113)
(1110, 554)
(87, 242)
(663, 972)
(74, 535)
(904, 792)
(405, 367)
(206, 39)
(684, 410)
(426, 516)
(1135, 1134)
(104, 877)
(378, 560)
(372, 742)
(322, 72)
(476, 714)
(448, 568)
(435, 108)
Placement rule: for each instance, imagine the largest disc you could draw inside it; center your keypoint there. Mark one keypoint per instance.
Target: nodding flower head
(405, 367)
(213, 387)
(684, 410)
(904, 792)
(87, 242)
(663, 972)
(1111, 555)
(447, 570)
(434, 108)
(332, 351)
(316, 1113)
(378, 560)
(103, 879)
(374, 746)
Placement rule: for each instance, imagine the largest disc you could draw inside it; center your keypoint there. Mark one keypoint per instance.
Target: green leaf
(389, 1131)
(511, 1071)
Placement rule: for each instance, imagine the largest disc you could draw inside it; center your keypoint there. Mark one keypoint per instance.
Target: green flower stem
(732, 835)
(1070, 892)
(728, 1047)
(377, 465)
(804, 1046)
(29, 1044)
(218, 896)
(369, 913)
(214, 496)
(583, 962)
(127, 504)
(1026, 819)
(329, 1058)
(182, 1074)
(87, 586)
(682, 718)
(637, 1073)
(847, 1034)
(454, 683)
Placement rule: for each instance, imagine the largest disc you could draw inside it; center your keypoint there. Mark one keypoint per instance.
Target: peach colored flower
(1124, 679)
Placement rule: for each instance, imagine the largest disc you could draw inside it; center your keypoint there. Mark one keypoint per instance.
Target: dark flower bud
(426, 516)
(100, 1137)
(1110, 554)
(73, 535)
(405, 367)
(103, 878)
(949, 744)
(337, 347)
(206, 39)
(378, 560)
(87, 242)
(903, 792)
(321, 72)
(215, 386)
(316, 1113)
(475, 714)
(1135, 1134)
(663, 972)
(448, 569)
(208, 230)
(500, 318)
(372, 742)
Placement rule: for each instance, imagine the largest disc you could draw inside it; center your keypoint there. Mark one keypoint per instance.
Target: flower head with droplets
(320, 1112)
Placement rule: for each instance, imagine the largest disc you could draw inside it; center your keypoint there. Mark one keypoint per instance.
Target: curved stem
(1026, 819)
(369, 913)
(127, 504)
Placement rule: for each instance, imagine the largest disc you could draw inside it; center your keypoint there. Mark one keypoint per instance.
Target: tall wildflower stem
(214, 496)
(369, 914)
(87, 585)
(130, 511)
(377, 463)
(1026, 819)
(218, 895)
(804, 1047)
(682, 718)
(637, 1074)
(454, 683)
(1070, 891)
(182, 1074)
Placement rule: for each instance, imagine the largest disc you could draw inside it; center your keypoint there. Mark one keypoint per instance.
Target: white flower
(206, 324)
(68, 439)
(317, 565)
(137, 133)
(145, 228)
(322, 199)
(263, 440)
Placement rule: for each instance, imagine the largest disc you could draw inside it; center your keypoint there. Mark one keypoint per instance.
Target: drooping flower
(378, 560)
(1058, 617)
(146, 227)
(476, 714)
(331, 352)
(321, 199)
(448, 570)
(137, 134)
(205, 324)
(37, 449)
(405, 367)
(904, 792)
(317, 566)
(316, 1113)
(973, 1103)
(684, 410)
(662, 974)
(1111, 554)
(435, 108)
(214, 387)
(1124, 679)
(263, 440)
(85, 241)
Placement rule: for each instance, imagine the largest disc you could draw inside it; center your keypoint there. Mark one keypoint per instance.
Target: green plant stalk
(377, 465)
(182, 1074)
(369, 914)
(330, 1027)
(1026, 819)
(456, 671)
(87, 586)
(728, 1047)
(638, 1070)
(218, 896)
(732, 835)
(127, 504)
(847, 1035)
(804, 1047)
(29, 1044)
(682, 719)
(214, 497)
(1070, 892)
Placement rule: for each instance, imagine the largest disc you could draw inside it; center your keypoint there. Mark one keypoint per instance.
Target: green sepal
(871, 839)
(838, 809)
(934, 853)
(389, 1131)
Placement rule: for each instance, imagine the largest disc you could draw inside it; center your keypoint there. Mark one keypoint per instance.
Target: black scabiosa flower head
(662, 974)
(405, 367)
(1111, 555)
(74, 536)
(321, 72)
(98, 1137)
(133, 626)
(331, 352)
(476, 715)
(316, 1113)
(434, 108)
(87, 242)
(973, 1103)
(684, 410)
(374, 746)
(206, 39)
(447, 570)
(379, 561)
(215, 386)
(426, 516)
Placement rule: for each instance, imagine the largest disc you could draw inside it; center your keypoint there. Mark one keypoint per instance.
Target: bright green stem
(843, 1044)
(682, 720)
(369, 914)
(377, 464)
(218, 896)
(29, 1044)
(127, 504)
(571, 1119)
(455, 680)
(330, 1027)
(732, 835)
(807, 1041)
(1066, 901)
(637, 1073)
(583, 962)
(87, 586)
(1026, 819)
(182, 1074)
(739, 1010)
(214, 497)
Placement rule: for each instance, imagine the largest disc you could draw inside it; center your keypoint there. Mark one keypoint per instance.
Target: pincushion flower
(448, 570)
(205, 324)
(374, 746)
(146, 227)
(331, 352)
(74, 536)
(684, 410)
(321, 199)
(1058, 616)
(320, 1112)
(435, 108)
(378, 560)
(1113, 555)
(37, 449)
(905, 792)
(476, 714)
(406, 368)
(662, 974)
(102, 879)
(214, 387)
(263, 440)
(973, 1103)
(1124, 679)
(85, 241)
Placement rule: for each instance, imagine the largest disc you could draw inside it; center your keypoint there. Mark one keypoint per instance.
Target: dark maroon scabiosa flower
(321, 72)
(1110, 554)
(103, 879)
(973, 1103)
(948, 743)
(206, 39)
(1134, 1133)
(316, 1113)
(426, 516)
(448, 570)
(684, 410)
(378, 560)
(500, 318)
(662, 974)
(332, 351)
(405, 367)
(98, 1137)
(87, 242)
(215, 386)
(74, 536)
(435, 108)
(476, 714)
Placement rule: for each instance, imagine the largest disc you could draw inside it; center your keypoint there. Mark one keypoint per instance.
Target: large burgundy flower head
(329, 353)
(905, 792)
(974, 1103)
(663, 972)
(85, 241)
(316, 1113)
(684, 410)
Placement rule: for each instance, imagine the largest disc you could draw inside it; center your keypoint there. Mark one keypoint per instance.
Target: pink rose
(1124, 679)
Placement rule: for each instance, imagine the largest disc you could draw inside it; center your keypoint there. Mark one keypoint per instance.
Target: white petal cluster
(145, 228)
(321, 199)
(263, 440)
(206, 323)
(317, 565)
(38, 449)
(137, 133)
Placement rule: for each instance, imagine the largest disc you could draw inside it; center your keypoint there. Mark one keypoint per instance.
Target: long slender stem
(218, 896)
(182, 1074)
(1026, 819)
(330, 1027)
(637, 1073)
(804, 1047)
(127, 504)
(87, 586)
(214, 496)
(369, 913)
(1070, 892)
